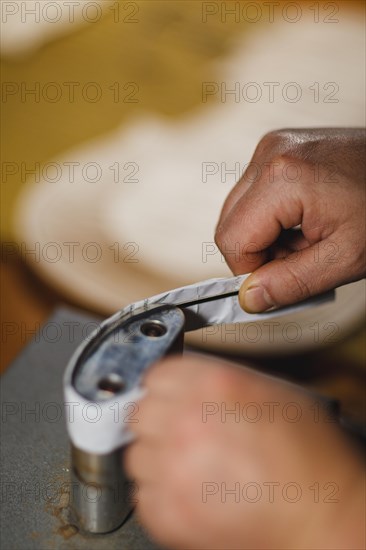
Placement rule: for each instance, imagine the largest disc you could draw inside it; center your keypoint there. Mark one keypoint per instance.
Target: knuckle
(283, 143)
(277, 139)
(279, 163)
(220, 237)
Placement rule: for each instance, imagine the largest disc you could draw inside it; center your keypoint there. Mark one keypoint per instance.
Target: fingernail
(256, 299)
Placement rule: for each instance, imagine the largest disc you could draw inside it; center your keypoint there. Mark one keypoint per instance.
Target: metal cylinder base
(102, 493)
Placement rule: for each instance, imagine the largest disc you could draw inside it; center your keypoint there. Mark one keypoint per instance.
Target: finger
(166, 375)
(169, 376)
(287, 243)
(238, 191)
(158, 512)
(293, 279)
(255, 223)
(251, 175)
(140, 462)
(292, 240)
(154, 414)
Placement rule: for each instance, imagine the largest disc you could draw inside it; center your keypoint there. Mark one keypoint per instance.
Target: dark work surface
(35, 484)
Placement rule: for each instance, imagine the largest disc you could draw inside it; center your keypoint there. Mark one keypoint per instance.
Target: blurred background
(124, 126)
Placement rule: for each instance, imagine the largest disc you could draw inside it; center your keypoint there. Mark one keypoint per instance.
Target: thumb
(292, 279)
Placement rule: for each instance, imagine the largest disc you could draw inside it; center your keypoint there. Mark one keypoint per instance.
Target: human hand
(312, 177)
(276, 473)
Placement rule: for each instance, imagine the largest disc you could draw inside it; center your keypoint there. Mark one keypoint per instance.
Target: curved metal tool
(111, 365)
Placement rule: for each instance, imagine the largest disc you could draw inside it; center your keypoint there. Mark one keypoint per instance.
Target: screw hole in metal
(153, 329)
(112, 383)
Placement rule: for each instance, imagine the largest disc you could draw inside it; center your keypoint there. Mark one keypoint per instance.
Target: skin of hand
(312, 178)
(227, 458)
